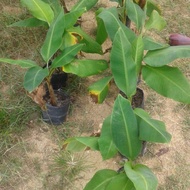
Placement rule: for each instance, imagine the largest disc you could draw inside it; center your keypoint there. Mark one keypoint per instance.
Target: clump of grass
(65, 169)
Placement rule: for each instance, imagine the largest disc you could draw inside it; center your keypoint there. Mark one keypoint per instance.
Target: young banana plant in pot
(133, 54)
(59, 50)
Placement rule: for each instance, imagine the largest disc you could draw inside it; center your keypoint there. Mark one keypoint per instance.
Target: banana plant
(132, 54)
(43, 13)
(60, 56)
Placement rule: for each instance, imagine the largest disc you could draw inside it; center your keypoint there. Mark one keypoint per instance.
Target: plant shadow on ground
(18, 119)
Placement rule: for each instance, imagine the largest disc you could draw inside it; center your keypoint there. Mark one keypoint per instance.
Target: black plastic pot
(138, 99)
(58, 80)
(56, 115)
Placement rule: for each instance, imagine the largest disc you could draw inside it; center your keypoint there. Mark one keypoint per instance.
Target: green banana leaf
(101, 34)
(135, 14)
(53, 39)
(72, 17)
(33, 77)
(122, 64)
(141, 176)
(150, 44)
(99, 90)
(30, 22)
(112, 24)
(167, 81)
(120, 182)
(39, 10)
(56, 6)
(101, 179)
(164, 56)
(151, 5)
(125, 131)
(21, 63)
(138, 53)
(84, 68)
(88, 4)
(106, 145)
(76, 144)
(66, 56)
(155, 22)
(151, 130)
(91, 46)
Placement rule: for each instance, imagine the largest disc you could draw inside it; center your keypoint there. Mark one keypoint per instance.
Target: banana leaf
(39, 10)
(141, 176)
(91, 46)
(21, 63)
(34, 76)
(155, 22)
(122, 64)
(112, 24)
(167, 81)
(106, 144)
(101, 179)
(87, 4)
(29, 22)
(158, 58)
(84, 68)
(135, 14)
(99, 90)
(53, 39)
(125, 131)
(151, 130)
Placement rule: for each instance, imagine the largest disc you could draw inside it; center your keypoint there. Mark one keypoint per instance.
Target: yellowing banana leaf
(151, 130)
(69, 39)
(141, 176)
(84, 68)
(30, 22)
(34, 76)
(53, 39)
(167, 81)
(40, 10)
(87, 4)
(91, 46)
(155, 22)
(125, 131)
(99, 90)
